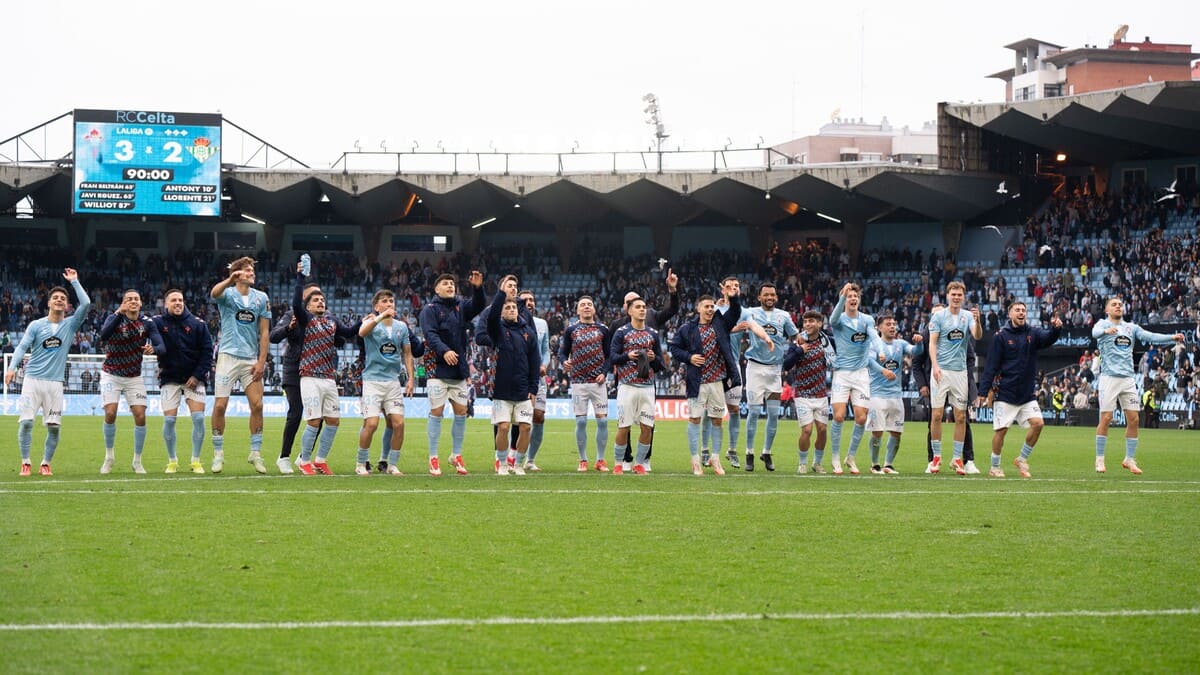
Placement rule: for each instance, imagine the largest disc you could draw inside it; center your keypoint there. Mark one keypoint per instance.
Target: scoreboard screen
(137, 162)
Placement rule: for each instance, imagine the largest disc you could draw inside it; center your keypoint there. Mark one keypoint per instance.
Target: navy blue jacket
(189, 348)
(686, 343)
(518, 359)
(444, 323)
(1012, 361)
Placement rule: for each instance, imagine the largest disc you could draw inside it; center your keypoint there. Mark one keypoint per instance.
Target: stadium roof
(1150, 121)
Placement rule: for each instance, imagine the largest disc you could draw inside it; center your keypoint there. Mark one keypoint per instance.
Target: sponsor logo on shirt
(955, 335)
(51, 344)
(244, 316)
(1123, 341)
(858, 338)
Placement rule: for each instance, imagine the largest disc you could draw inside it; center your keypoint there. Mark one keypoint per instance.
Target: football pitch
(560, 571)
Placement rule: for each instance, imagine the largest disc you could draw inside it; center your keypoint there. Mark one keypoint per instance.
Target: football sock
(693, 436)
(434, 432)
(1026, 450)
(643, 449)
(364, 454)
(1101, 443)
(619, 451)
(958, 449)
(995, 461)
(893, 445)
(327, 437)
(601, 437)
(856, 434)
(818, 455)
(937, 448)
(873, 444)
(751, 428)
(256, 443)
(773, 409)
(804, 457)
(25, 439)
(308, 440)
(218, 441)
(197, 433)
(110, 437)
(387, 443)
(536, 433)
(52, 432)
(705, 432)
(1130, 447)
(735, 428)
(458, 430)
(139, 440)
(835, 439)
(168, 432)
(581, 437)
(393, 457)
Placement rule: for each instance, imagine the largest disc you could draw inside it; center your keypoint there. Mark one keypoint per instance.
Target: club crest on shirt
(244, 316)
(52, 343)
(955, 335)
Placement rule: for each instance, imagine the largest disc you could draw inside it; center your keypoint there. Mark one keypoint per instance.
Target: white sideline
(591, 620)
(100, 492)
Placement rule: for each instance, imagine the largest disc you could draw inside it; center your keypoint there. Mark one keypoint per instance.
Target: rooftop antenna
(1122, 31)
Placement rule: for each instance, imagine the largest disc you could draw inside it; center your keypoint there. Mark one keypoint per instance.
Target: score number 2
(173, 148)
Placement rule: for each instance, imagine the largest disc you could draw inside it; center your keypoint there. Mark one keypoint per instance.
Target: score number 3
(173, 148)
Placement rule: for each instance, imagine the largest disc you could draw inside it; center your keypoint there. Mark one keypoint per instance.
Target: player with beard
(182, 373)
(764, 369)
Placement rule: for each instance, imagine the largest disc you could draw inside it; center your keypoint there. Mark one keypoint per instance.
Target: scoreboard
(137, 162)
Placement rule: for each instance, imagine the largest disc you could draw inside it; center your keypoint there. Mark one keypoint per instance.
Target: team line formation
(863, 352)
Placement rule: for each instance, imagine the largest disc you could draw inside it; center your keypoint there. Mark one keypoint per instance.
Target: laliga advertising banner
(665, 410)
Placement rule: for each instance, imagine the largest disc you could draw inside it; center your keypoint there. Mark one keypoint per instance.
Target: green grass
(783, 549)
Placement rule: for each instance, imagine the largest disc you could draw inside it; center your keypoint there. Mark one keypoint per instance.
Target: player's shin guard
(197, 434)
(25, 439)
(308, 440)
(693, 436)
(773, 410)
(433, 431)
(601, 436)
(52, 432)
(168, 432)
(581, 437)
(856, 434)
(458, 431)
(327, 436)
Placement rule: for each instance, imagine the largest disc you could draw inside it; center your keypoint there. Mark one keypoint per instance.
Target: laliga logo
(202, 149)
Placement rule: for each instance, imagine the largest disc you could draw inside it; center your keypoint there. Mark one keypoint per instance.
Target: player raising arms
(445, 322)
(518, 368)
(581, 352)
(242, 351)
(1011, 376)
(1116, 339)
(887, 405)
(386, 349)
(764, 368)
(318, 365)
(730, 287)
(702, 344)
(635, 361)
(853, 335)
(182, 373)
(46, 340)
(812, 355)
(129, 335)
(948, 344)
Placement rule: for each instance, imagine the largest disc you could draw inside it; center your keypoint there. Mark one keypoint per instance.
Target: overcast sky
(312, 78)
